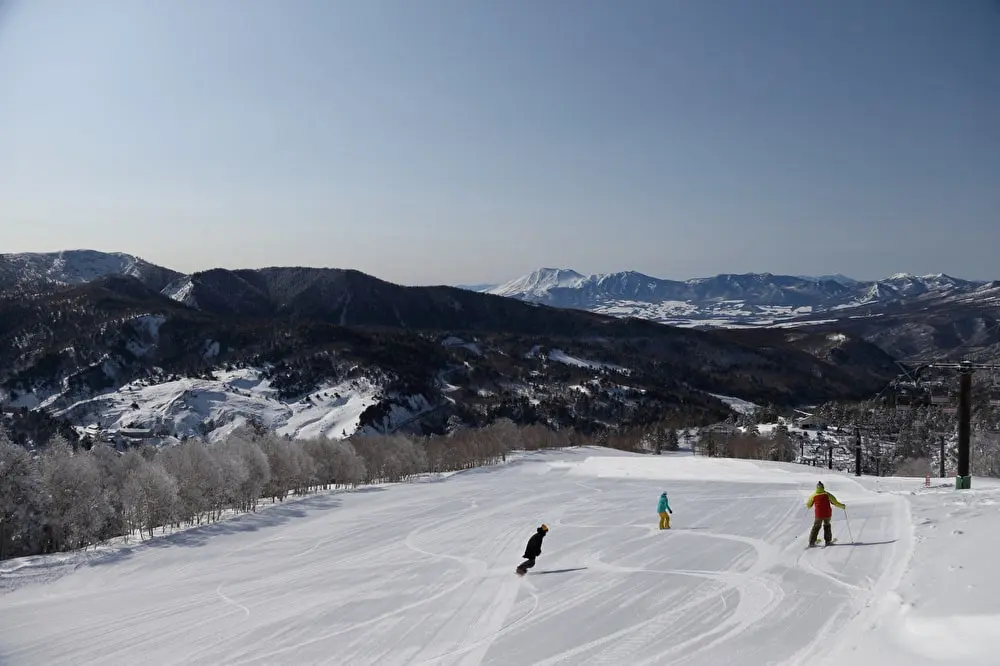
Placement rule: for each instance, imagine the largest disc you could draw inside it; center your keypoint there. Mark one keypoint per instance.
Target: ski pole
(848, 519)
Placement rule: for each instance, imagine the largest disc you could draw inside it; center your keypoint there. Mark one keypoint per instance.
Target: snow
(334, 412)
(453, 341)
(666, 309)
(800, 324)
(560, 356)
(187, 405)
(538, 283)
(728, 304)
(738, 405)
(182, 291)
(73, 266)
(148, 328)
(422, 573)
(945, 609)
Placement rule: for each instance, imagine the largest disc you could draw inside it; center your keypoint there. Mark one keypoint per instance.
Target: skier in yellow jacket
(821, 501)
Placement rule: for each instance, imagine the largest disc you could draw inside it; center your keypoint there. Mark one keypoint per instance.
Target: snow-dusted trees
(112, 474)
(782, 446)
(321, 450)
(390, 458)
(658, 438)
(75, 503)
(21, 511)
(985, 454)
(350, 467)
(150, 496)
(405, 459)
(65, 498)
(291, 467)
(497, 440)
(201, 485)
(255, 474)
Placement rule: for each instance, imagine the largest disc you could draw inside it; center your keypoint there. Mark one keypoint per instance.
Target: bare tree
(232, 475)
(21, 508)
(985, 454)
(69, 499)
(918, 467)
(291, 467)
(258, 474)
(200, 483)
(76, 507)
(150, 495)
(321, 450)
(112, 471)
(350, 467)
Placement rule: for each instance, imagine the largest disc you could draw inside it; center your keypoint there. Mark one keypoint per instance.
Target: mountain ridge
(906, 315)
(734, 298)
(431, 355)
(33, 270)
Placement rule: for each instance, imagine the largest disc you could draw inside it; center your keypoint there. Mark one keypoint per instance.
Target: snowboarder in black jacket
(533, 549)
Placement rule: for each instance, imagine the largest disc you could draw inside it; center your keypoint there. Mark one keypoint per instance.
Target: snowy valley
(336, 352)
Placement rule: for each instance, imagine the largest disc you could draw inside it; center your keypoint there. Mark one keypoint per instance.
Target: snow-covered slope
(78, 266)
(215, 407)
(423, 574)
(182, 291)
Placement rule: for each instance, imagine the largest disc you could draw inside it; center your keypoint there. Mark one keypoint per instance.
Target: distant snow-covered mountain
(31, 270)
(538, 284)
(731, 299)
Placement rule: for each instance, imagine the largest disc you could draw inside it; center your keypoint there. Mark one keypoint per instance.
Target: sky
(465, 141)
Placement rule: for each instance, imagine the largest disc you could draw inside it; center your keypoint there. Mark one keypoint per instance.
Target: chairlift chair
(908, 395)
(940, 395)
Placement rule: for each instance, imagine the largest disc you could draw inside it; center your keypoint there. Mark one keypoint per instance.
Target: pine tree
(673, 440)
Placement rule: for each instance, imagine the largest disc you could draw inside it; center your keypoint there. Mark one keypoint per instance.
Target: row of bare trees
(776, 446)
(63, 499)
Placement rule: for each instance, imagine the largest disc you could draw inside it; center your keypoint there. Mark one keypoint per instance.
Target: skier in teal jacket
(663, 508)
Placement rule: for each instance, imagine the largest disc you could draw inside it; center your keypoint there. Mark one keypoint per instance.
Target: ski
(817, 545)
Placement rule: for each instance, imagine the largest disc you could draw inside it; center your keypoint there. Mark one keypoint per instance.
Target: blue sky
(460, 141)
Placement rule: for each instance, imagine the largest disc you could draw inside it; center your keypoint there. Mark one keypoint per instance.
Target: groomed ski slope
(422, 573)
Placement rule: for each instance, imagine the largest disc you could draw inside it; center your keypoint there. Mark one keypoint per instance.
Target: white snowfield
(185, 405)
(423, 573)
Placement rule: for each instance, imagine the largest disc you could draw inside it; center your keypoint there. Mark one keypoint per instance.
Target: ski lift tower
(963, 479)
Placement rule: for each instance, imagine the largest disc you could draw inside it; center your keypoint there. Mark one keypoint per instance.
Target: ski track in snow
(422, 574)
